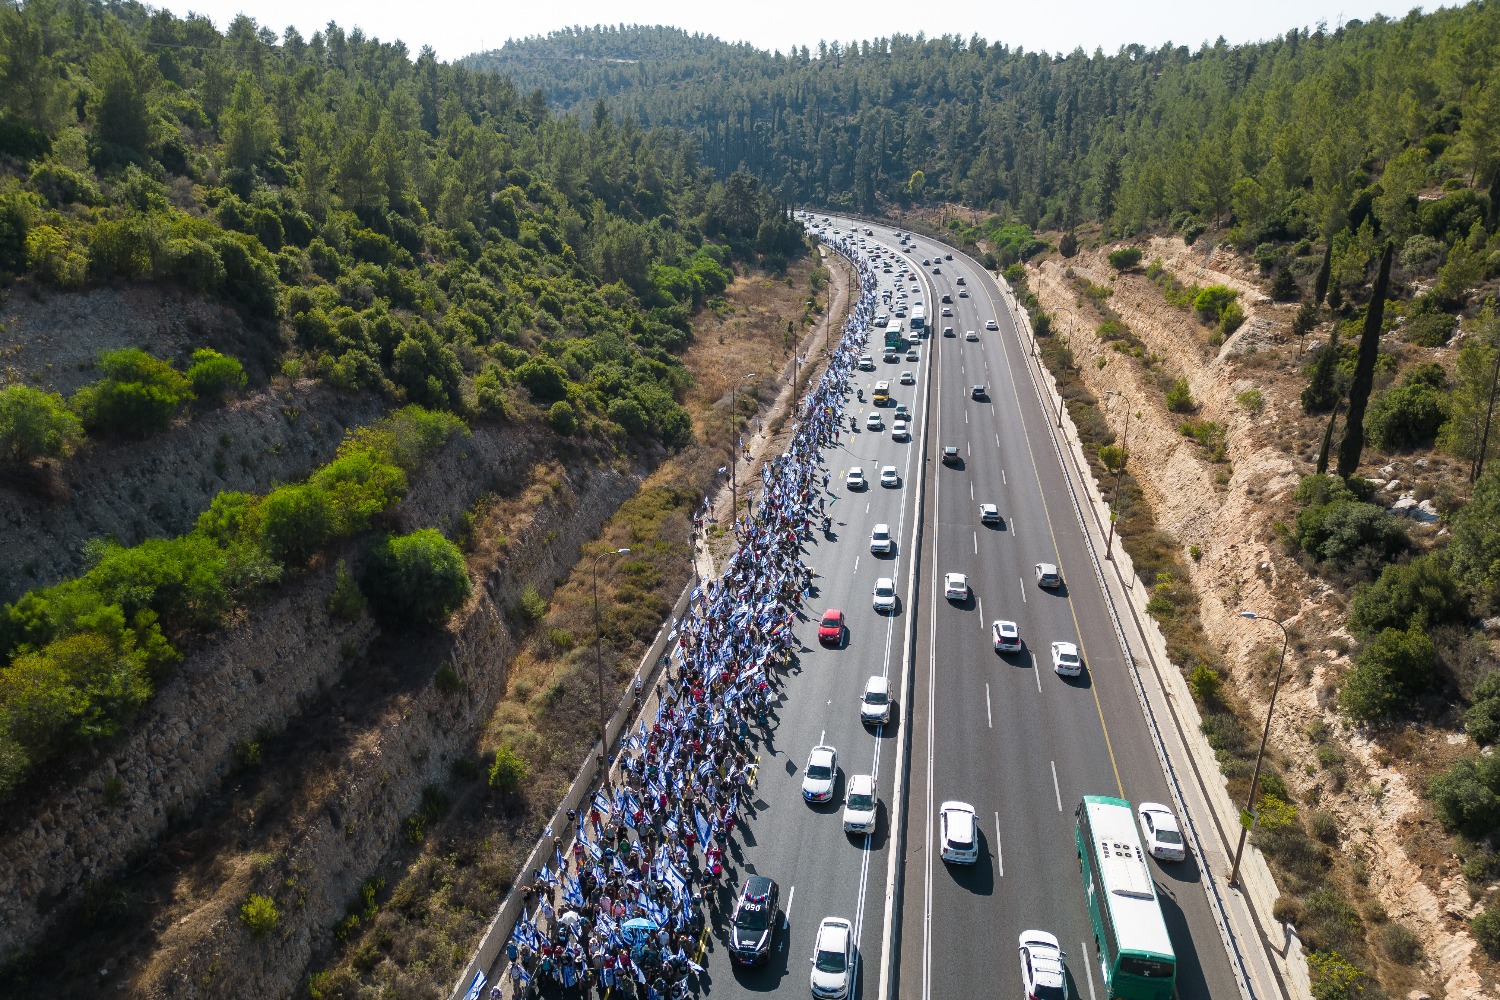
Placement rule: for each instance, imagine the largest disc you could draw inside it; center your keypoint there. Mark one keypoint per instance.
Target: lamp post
(1109, 551)
(599, 654)
(1234, 871)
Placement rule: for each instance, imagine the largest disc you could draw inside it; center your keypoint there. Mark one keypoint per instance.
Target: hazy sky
(456, 29)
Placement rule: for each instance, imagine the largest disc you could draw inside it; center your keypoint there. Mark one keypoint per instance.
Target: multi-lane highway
(1001, 732)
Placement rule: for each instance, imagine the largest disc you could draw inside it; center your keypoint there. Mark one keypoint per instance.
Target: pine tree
(1321, 392)
(1364, 370)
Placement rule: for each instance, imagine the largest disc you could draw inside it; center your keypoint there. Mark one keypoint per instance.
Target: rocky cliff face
(268, 670)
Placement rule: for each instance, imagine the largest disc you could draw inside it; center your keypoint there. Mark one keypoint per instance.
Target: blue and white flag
(476, 987)
(673, 878)
(601, 802)
(572, 892)
(705, 828)
(521, 975)
(546, 877)
(569, 975)
(671, 824)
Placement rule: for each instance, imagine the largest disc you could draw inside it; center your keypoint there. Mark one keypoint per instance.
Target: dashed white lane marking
(1056, 790)
(999, 852)
(1023, 589)
(988, 714)
(1088, 966)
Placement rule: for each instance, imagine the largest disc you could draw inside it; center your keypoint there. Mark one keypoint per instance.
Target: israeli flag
(673, 879)
(521, 974)
(619, 866)
(601, 802)
(693, 967)
(572, 892)
(671, 824)
(546, 877)
(705, 828)
(655, 790)
(592, 846)
(476, 987)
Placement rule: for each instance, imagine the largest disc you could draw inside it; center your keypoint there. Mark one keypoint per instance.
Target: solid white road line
(987, 712)
(1055, 789)
(999, 852)
(1083, 949)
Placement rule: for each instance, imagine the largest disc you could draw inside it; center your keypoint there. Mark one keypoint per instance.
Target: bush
(1231, 319)
(1482, 720)
(562, 418)
(1349, 534)
(1464, 796)
(1428, 327)
(1400, 944)
(1252, 401)
(1180, 397)
(213, 375)
(508, 771)
(1125, 258)
(1211, 302)
(1486, 930)
(1423, 587)
(295, 522)
(346, 601)
(1284, 288)
(1406, 416)
(416, 579)
(359, 484)
(1388, 675)
(1475, 546)
(138, 395)
(1206, 684)
(35, 424)
(1334, 977)
(260, 915)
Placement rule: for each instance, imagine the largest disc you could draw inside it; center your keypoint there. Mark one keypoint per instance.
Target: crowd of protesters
(626, 906)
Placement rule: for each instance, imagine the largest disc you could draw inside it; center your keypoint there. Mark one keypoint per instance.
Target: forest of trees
(1282, 136)
(392, 225)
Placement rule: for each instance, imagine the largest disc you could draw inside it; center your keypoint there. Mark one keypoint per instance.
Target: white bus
(918, 317)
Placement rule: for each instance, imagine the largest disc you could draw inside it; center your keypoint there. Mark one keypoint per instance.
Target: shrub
(139, 394)
(1464, 796)
(1400, 944)
(1482, 720)
(345, 601)
(562, 418)
(35, 424)
(1486, 930)
(1125, 258)
(1334, 977)
(1428, 327)
(1388, 675)
(359, 484)
(416, 579)
(1231, 319)
(1424, 586)
(508, 771)
(1206, 684)
(1407, 416)
(260, 915)
(55, 257)
(1211, 302)
(1284, 288)
(1475, 546)
(532, 606)
(1180, 397)
(1252, 401)
(213, 375)
(1349, 533)
(295, 522)
(1323, 825)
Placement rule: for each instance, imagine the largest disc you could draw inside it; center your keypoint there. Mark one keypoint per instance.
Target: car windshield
(862, 802)
(754, 915)
(876, 698)
(1169, 836)
(884, 591)
(830, 620)
(830, 961)
(819, 771)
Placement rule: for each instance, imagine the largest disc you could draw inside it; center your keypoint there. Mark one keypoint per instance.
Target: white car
(990, 324)
(1159, 829)
(1042, 975)
(956, 587)
(832, 959)
(867, 362)
(860, 805)
(875, 703)
(960, 833)
(912, 355)
(971, 335)
(889, 478)
(821, 774)
(873, 421)
(1006, 636)
(947, 310)
(963, 293)
(1065, 661)
(884, 594)
(880, 540)
(1047, 575)
(900, 431)
(907, 378)
(989, 514)
(855, 480)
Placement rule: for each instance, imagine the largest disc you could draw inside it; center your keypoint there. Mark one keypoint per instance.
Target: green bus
(895, 337)
(1135, 953)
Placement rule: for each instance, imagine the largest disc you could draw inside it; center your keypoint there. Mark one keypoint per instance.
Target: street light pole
(1234, 871)
(1109, 552)
(599, 655)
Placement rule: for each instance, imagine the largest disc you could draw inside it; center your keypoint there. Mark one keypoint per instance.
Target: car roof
(831, 612)
(862, 784)
(1005, 625)
(821, 752)
(988, 506)
(1047, 567)
(883, 528)
(837, 931)
(955, 576)
(884, 581)
(756, 886)
(877, 683)
(953, 804)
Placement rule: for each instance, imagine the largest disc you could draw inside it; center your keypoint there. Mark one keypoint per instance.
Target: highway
(1004, 732)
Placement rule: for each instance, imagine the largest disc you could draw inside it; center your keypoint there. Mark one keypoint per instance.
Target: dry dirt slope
(1241, 566)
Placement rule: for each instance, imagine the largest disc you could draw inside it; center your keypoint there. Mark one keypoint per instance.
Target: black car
(753, 923)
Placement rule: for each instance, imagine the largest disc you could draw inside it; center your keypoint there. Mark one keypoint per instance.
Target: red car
(831, 628)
